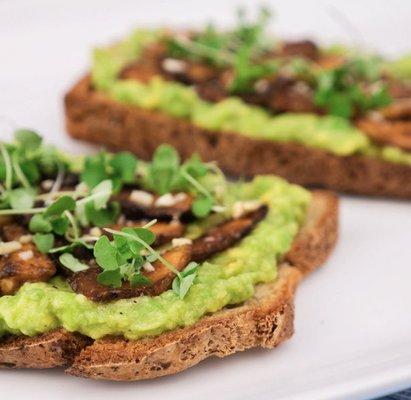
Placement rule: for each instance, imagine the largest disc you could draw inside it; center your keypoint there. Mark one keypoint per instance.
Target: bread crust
(57, 348)
(93, 117)
(266, 320)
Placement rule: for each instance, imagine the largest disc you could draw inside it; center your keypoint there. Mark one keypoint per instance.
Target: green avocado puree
(334, 134)
(228, 278)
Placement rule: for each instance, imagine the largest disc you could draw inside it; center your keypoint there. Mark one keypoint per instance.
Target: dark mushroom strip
(387, 131)
(398, 110)
(85, 282)
(135, 211)
(226, 234)
(25, 264)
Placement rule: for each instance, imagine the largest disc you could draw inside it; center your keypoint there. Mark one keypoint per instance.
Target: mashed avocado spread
(331, 133)
(227, 278)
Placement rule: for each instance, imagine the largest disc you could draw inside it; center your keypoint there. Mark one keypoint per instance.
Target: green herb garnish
(119, 168)
(355, 86)
(183, 282)
(241, 50)
(72, 263)
(123, 257)
(167, 174)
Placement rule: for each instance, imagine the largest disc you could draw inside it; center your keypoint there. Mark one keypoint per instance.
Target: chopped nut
(242, 207)
(148, 267)
(95, 231)
(26, 255)
(9, 247)
(176, 242)
(47, 184)
(24, 239)
(180, 197)
(218, 209)
(142, 198)
(261, 86)
(166, 200)
(173, 65)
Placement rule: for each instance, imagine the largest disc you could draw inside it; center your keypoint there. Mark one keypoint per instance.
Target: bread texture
(94, 117)
(266, 320)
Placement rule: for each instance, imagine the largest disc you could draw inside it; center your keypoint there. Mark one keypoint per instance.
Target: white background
(353, 321)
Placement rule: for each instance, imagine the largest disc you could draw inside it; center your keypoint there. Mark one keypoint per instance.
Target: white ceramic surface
(353, 320)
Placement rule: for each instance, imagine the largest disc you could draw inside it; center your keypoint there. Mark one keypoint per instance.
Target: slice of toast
(94, 117)
(266, 320)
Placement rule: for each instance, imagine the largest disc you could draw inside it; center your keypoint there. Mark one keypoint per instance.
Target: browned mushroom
(24, 264)
(226, 234)
(85, 282)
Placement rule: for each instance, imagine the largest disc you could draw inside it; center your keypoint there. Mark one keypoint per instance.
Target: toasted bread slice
(94, 117)
(266, 320)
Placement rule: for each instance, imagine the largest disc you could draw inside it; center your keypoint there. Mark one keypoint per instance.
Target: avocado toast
(124, 270)
(326, 117)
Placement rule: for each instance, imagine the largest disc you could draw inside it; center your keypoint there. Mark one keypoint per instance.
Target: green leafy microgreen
(8, 166)
(64, 203)
(124, 166)
(202, 206)
(241, 50)
(21, 198)
(94, 170)
(163, 169)
(43, 241)
(95, 209)
(102, 217)
(106, 254)
(139, 279)
(40, 224)
(181, 284)
(123, 257)
(60, 225)
(120, 169)
(166, 174)
(72, 263)
(352, 87)
(18, 171)
(28, 139)
(111, 278)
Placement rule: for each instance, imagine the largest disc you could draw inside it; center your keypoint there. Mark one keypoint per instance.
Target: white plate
(353, 320)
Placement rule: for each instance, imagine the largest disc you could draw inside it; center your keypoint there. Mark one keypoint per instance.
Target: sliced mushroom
(226, 234)
(85, 282)
(25, 264)
(383, 129)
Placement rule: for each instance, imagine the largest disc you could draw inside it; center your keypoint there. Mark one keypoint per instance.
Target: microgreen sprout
(240, 50)
(8, 166)
(183, 282)
(166, 174)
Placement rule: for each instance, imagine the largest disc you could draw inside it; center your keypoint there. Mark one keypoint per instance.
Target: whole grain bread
(94, 117)
(266, 320)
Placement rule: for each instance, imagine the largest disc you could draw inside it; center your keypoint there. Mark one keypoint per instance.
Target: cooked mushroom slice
(395, 133)
(226, 234)
(398, 110)
(21, 261)
(85, 282)
(164, 208)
